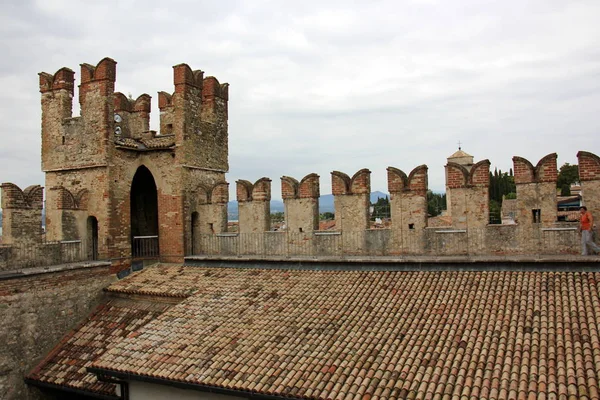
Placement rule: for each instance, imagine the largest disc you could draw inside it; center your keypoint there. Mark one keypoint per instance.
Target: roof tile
(355, 334)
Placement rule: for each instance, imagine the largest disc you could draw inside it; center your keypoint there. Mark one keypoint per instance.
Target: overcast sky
(317, 86)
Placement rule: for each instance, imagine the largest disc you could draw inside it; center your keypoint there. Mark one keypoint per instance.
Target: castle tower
(111, 178)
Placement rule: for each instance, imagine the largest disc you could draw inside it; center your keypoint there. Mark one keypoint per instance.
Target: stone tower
(127, 190)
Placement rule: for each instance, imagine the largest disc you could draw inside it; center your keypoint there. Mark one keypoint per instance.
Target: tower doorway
(144, 214)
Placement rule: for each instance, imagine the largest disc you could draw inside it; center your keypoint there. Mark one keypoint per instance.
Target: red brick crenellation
(340, 183)
(456, 176)
(544, 171)
(307, 188)
(397, 180)
(480, 174)
(361, 182)
(289, 187)
(589, 166)
(261, 190)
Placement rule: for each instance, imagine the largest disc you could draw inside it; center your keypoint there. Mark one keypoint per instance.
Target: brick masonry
(90, 161)
(301, 202)
(254, 205)
(37, 310)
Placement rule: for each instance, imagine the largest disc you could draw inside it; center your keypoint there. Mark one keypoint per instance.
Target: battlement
(307, 188)
(589, 166)
(342, 184)
(15, 198)
(544, 171)
(22, 213)
(459, 176)
(416, 181)
(195, 113)
(105, 70)
(63, 79)
(259, 191)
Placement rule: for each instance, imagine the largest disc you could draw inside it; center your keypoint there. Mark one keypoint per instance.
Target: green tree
(567, 175)
(436, 203)
(326, 216)
(501, 184)
(381, 208)
(277, 217)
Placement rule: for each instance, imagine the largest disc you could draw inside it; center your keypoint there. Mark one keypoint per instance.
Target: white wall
(151, 391)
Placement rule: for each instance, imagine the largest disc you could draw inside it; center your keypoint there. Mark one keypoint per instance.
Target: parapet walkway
(532, 262)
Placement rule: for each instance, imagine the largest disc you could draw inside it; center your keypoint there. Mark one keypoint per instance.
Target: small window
(536, 214)
(300, 230)
(411, 226)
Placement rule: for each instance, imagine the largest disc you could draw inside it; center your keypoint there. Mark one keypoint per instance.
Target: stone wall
(589, 175)
(351, 200)
(254, 205)
(467, 193)
(301, 202)
(37, 310)
(408, 206)
(90, 161)
(22, 213)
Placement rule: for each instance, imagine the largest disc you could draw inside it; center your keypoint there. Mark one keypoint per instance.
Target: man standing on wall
(586, 222)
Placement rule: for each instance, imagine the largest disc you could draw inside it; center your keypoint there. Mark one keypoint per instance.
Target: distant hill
(325, 204)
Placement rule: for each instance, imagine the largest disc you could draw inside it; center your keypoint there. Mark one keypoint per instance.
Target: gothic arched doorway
(144, 214)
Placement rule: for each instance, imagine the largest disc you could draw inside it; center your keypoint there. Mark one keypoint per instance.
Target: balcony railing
(145, 246)
(39, 254)
(493, 240)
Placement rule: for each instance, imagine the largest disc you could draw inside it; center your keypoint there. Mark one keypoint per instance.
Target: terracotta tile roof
(159, 142)
(327, 225)
(166, 281)
(66, 364)
(152, 143)
(127, 142)
(373, 334)
(571, 216)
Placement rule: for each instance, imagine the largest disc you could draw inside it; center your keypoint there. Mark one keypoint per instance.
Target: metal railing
(492, 240)
(45, 253)
(145, 246)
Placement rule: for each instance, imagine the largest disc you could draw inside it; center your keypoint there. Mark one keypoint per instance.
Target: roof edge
(69, 389)
(103, 374)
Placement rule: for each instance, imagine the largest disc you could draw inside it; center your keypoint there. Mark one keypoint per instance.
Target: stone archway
(144, 214)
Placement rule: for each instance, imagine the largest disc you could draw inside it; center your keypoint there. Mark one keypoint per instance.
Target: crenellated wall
(91, 161)
(101, 151)
(351, 200)
(536, 190)
(21, 213)
(589, 176)
(408, 206)
(467, 194)
(301, 202)
(254, 205)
